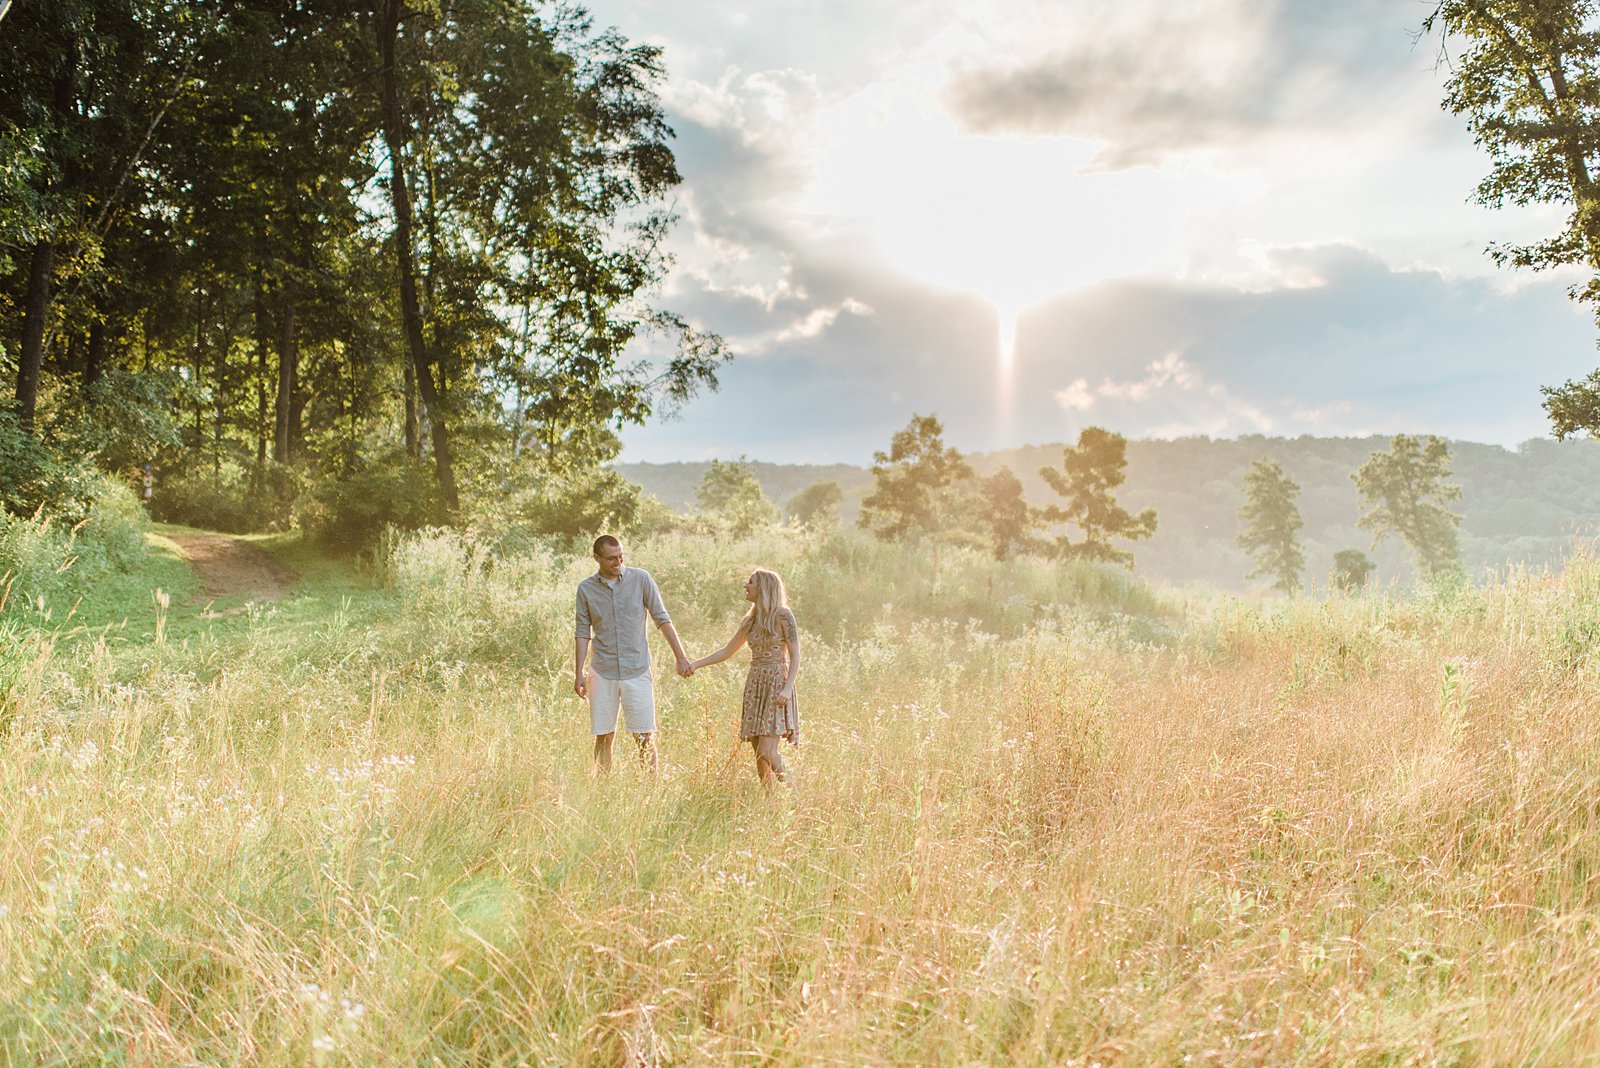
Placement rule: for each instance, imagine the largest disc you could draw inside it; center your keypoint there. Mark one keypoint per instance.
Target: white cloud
(814, 322)
(1077, 395)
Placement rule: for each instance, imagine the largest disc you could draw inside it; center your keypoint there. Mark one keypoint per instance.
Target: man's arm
(580, 650)
(658, 611)
(685, 668)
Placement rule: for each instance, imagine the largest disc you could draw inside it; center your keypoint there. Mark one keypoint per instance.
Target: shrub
(240, 498)
(572, 505)
(34, 478)
(349, 513)
(45, 562)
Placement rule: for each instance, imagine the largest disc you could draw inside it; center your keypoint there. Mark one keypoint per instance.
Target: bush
(573, 506)
(349, 514)
(241, 498)
(45, 562)
(33, 479)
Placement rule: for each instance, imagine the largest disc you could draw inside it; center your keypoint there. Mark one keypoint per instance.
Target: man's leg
(638, 702)
(602, 750)
(603, 705)
(648, 756)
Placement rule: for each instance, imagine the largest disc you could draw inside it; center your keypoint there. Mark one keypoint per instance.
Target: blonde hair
(771, 600)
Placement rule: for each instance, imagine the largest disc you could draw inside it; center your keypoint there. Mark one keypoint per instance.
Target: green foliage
(1002, 515)
(200, 181)
(36, 479)
(1574, 406)
(916, 484)
(239, 498)
(1405, 493)
(348, 513)
(1088, 474)
(1272, 525)
(21, 212)
(123, 421)
(1521, 505)
(46, 564)
(730, 494)
(817, 506)
(573, 504)
(1351, 569)
(1526, 75)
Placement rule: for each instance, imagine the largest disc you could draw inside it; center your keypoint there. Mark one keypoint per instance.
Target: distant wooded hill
(1523, 506)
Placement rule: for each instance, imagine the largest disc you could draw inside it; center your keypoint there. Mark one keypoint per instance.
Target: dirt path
(228, 567)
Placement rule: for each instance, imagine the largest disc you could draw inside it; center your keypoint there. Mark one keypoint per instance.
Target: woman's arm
(735, 643)
(792, 640)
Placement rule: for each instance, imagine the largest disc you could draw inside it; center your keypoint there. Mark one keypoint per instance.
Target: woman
(770, 708)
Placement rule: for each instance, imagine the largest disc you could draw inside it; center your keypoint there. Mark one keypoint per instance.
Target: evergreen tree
(1351, 568)
(1088, 474)
(1272, 525)
(1405, 492)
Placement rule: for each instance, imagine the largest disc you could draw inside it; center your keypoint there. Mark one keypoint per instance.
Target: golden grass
(1307, 832)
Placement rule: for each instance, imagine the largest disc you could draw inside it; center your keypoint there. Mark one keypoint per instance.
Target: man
(613, 604)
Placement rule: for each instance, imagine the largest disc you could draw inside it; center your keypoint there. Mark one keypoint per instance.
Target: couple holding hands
(614, 605)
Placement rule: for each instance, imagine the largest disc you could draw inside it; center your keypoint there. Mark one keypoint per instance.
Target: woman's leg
(769, 762)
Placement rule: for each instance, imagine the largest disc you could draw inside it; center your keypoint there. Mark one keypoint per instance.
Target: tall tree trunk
(220, 394)
(36, 305)
(394, 136)
(261, 375)
(199, 369)
(35, 312)
(283, 440)
(413, 428)
(94, 359)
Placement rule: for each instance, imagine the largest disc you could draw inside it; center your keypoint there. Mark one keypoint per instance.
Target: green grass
(1042, 816)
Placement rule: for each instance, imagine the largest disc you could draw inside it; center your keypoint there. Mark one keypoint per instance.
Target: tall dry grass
(1040, 817)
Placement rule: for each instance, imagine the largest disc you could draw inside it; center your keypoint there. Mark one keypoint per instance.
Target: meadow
(1041, 814)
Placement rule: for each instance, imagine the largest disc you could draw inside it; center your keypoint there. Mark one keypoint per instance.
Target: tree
(817, 506)
(1574, 407)
(355, 239)
(1351, 567)
(85, 83)
(1528, 81)
(1272, 525)
(1088, 474)
(915, 484)
(528, 175)
(1405, 493)
(730, 492)
(1002, 515)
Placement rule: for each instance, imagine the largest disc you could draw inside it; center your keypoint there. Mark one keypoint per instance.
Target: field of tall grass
(1041, 815)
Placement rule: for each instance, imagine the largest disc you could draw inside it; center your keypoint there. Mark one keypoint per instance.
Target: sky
(1163, 217)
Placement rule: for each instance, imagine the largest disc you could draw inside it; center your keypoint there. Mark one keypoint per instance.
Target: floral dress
(769, 667)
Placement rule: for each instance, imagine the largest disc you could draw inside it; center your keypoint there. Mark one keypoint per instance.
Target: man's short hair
(606, 541)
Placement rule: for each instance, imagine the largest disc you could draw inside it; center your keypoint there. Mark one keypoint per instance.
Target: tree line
(375, 261)
(921, 489)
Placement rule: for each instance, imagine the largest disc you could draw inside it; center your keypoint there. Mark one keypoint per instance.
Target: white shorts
(636, 697)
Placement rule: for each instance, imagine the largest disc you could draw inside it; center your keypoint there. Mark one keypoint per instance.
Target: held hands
(686, 666)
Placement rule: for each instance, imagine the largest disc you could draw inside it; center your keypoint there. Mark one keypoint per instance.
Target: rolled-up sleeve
(653, 603)
(581, 624)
